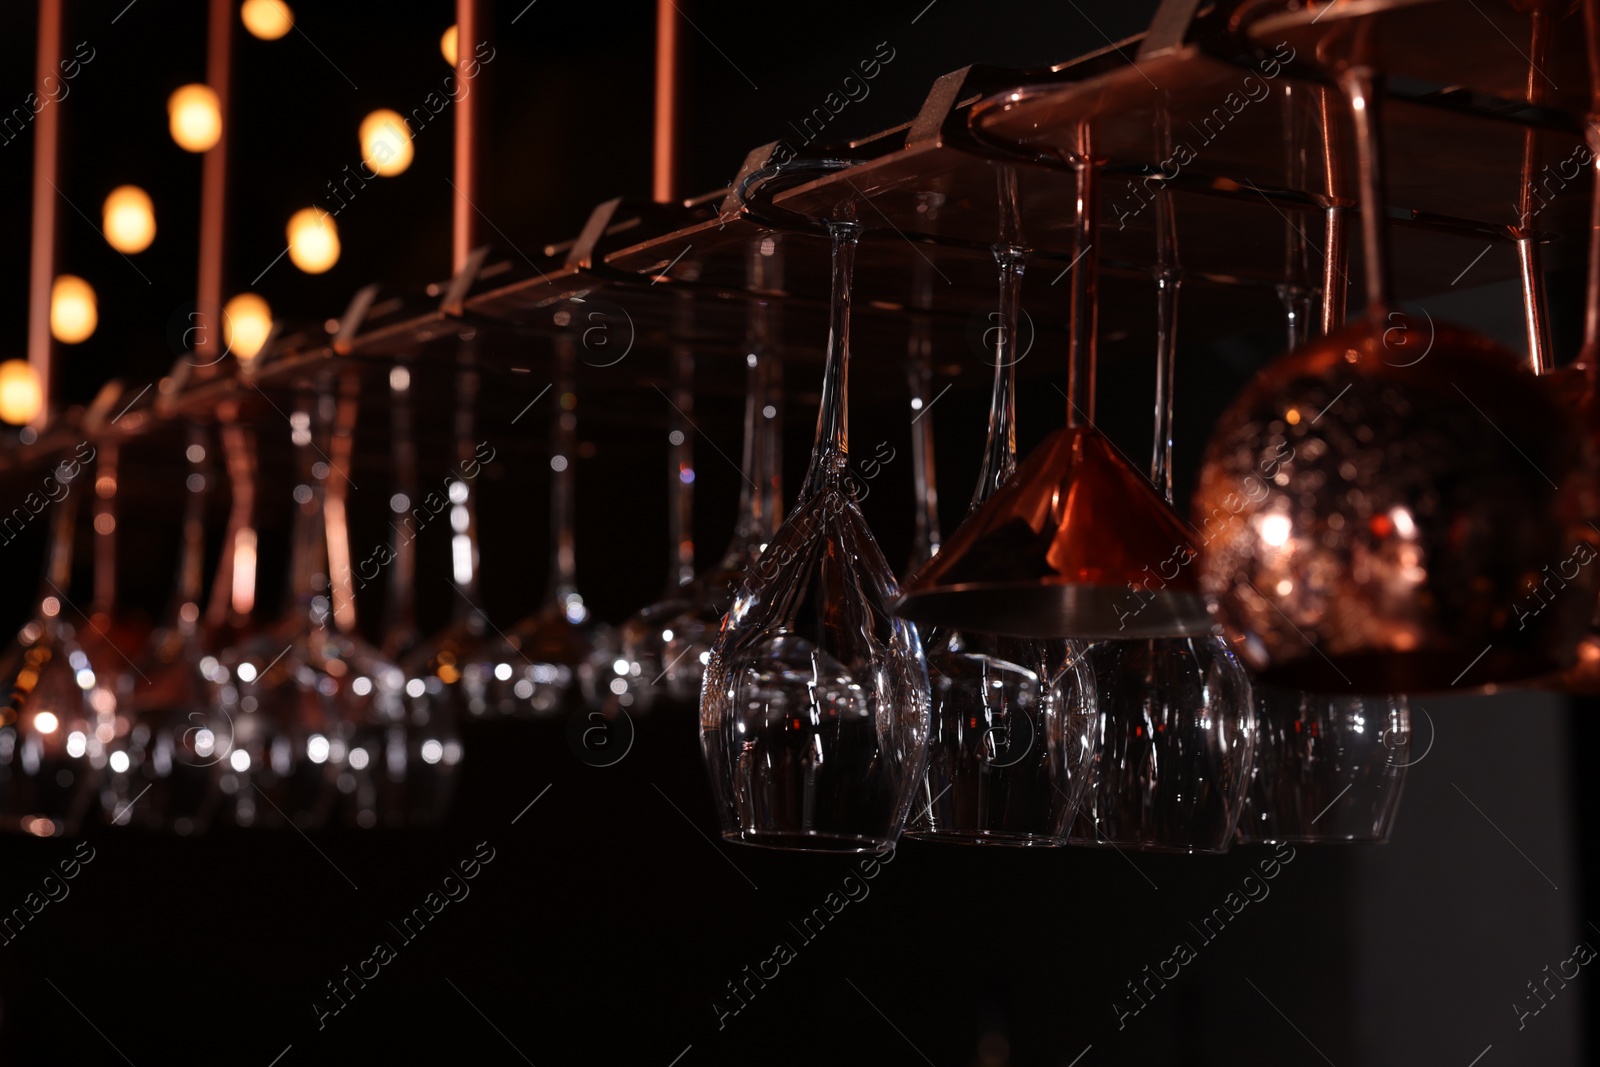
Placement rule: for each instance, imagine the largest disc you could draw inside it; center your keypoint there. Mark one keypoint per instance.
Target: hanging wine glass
(537, 660)
(1008, 752)
(456, 667)
(925, 535)
(431, 748)
(1369, 515)
(387, 741)
(48, 774)
(111, 639)
(283, 751)
(1176, 737)
(682, 639)
(1072, 544)
(169, 700)
(814, 713)
(1328, 768)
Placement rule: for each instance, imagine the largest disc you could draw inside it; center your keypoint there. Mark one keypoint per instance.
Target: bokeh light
(129, 219)
(313, 240)
(246, 321)
(21, 393)
(267, 19)
(195, 117)
(386, 142)
(73, 312)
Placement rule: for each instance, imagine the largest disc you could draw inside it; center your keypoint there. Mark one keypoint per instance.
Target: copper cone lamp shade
(1076, 544)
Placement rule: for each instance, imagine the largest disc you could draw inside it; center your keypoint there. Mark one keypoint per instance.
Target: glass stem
(680, 467)
(1000, 448)
(1169, 277)
(463, 498)
(233, 592)
(336, 497)
(58, 566)
(308, 546)
(1084, 270)
(192, 558)
(563, 456)
(105, 529)
(925, 537)
(1530, 258)
(402, 611)
(830, 454)
(1359, 84)
(766, 276)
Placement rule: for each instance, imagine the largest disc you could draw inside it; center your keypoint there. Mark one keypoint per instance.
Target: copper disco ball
(1375, 521)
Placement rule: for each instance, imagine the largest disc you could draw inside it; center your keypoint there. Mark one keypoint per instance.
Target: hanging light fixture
(447, 45)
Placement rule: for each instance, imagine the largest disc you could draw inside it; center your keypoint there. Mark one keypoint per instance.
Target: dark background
(608, 922)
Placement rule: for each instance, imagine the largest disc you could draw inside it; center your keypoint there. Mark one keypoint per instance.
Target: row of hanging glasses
(1041, 679)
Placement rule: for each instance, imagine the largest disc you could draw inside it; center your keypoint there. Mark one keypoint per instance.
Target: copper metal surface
(46, 167)
(1384, 527)
(209, 345)
(475, 25)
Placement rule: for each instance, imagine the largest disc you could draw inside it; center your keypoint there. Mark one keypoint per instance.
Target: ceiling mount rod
(474, 27)
(209, 344)
(668, 110)
(46, 174)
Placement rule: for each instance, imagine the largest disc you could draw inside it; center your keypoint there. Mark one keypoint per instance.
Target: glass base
(1002, 838)
(1144, 846)
(809, 842)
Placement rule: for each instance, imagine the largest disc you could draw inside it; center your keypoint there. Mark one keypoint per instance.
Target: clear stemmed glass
(386, 741)
(653, 644)
(431, 748)
(279, 728)
(48, 773)
(538, 659)
(1329, 767)
(169, 703)
(453, 668)
(683, 640)
(1012, 717)
(111, 639)
(814, 712)
(1176, 734)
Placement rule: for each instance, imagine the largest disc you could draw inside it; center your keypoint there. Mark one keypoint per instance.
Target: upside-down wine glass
(1176, 731)
(278, 725)
(48, 777)
(1329, 767)
(170, 701)
(452, 669)
(814, 713)
(543, 653)
(431, 707)
(1007, 757)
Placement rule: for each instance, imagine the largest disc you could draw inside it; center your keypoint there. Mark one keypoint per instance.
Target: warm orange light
(267, 19)
(386, 142)
(21, 394)
(246, 321)
(194, 117)
(129, 218)
(73, 315)
(313, 240)
(447, 46)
